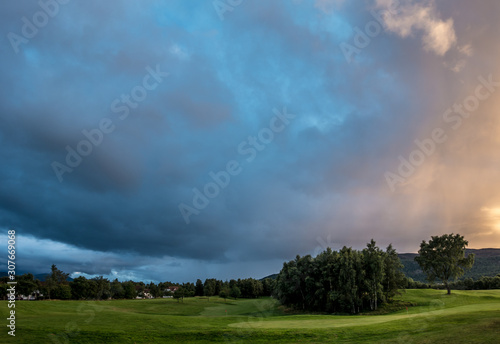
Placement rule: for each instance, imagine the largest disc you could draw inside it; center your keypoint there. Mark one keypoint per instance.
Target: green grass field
(463, 317)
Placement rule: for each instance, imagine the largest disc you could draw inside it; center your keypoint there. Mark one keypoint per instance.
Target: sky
(176, 140)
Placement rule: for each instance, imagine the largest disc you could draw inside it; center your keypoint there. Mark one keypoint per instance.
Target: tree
(209, 287)
(373, 264)
(55, 278)
(189, 289)
(218, 287)
(154, 290)
(443, 257)
(129, 290)
(26, 284)
(80, 288)
(224, 293)
(57, 275)
(250, 287)
(267, 286)
(4, 291)
(349, 279)
(179, 294)
(235, 292)
(103, 288)
(394, 278)
(116, 290)
(198, 291)
(62, 292)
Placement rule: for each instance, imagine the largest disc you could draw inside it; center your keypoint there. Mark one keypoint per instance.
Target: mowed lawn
(463, 317)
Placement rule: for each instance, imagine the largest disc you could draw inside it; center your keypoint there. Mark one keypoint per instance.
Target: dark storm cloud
(321, 177)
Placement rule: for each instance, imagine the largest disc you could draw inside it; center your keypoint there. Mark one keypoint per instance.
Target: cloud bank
(319, 181)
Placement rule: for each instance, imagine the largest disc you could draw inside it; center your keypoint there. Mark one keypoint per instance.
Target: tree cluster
(245, 288)
(340, 281)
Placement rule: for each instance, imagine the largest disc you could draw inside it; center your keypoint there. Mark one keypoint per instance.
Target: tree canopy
(340, 281)
(443, 257)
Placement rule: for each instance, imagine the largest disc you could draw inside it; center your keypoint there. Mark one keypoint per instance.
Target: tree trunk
(303, 300)
(447, 287)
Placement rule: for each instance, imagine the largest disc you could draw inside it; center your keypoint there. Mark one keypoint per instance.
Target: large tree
(55, 278)
(198, 289)
(235, 292)
(373, 264)
(179, 294)
(116, 289)
(394, 278)
(443, 257)
(58, 276)
(80, 288)
(209, 287)
(102, 288)
(224, 293)
(26, 285)
(129, 291)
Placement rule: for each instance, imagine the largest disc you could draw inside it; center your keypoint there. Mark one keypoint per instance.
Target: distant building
(145, 295)
(33, 296)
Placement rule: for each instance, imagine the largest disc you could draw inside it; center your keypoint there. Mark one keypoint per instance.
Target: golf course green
(431, 317)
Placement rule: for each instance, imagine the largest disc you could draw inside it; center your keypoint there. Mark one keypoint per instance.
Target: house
(145, 295)
(33, 296)
(170, 290)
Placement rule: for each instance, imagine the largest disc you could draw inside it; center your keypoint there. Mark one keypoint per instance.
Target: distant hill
(273, 276)
(487, 263)
(40, 277)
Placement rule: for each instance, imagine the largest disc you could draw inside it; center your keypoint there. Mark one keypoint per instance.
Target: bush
(62, 292)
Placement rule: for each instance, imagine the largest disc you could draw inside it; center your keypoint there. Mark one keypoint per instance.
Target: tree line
(344, 281)
(57, 286)
(482, 283)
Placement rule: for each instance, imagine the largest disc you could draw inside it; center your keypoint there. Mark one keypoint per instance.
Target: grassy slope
(463, 317)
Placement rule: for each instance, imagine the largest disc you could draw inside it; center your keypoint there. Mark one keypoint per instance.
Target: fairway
(343, 321)
(462, 317)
